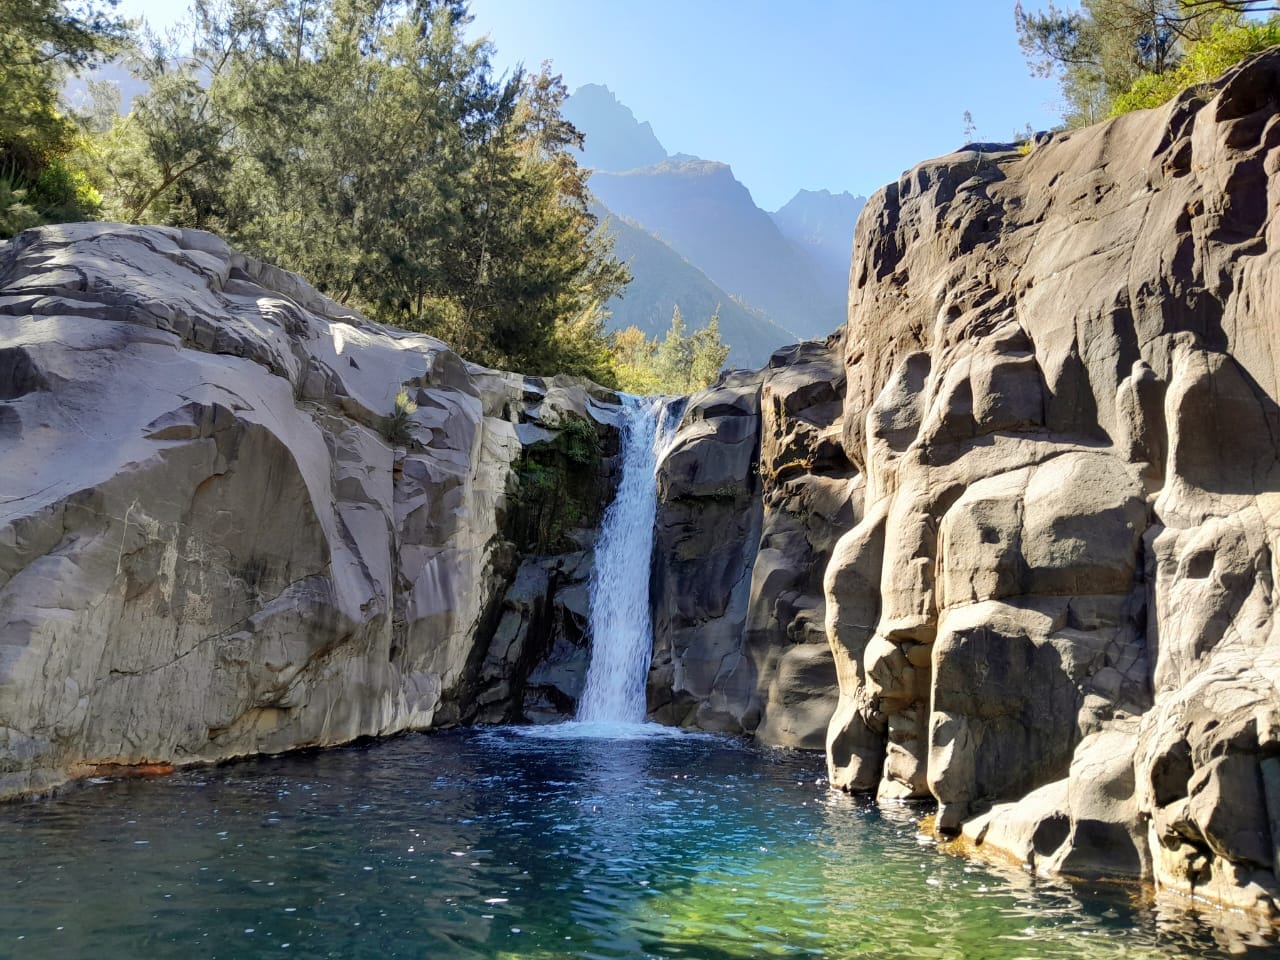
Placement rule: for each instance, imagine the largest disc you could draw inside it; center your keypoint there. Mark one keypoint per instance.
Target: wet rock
(753, 494)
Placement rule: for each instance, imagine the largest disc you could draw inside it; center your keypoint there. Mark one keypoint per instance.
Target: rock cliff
(207, 546)
(1056, 613)
(753, 494)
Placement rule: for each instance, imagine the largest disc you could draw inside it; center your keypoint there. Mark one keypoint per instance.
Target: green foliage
(557, 488)
(397, 425)
(678, 364)
(367, 145)
(41, 41)
(1226, 44)
(1111, 56)
(709, 355)
(634, 358)
(16, 214)
(580, 442)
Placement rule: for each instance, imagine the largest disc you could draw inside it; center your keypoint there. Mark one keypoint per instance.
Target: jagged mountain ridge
(709, 220)
(662, 279)
(820, 223)
(617, 140)
(707, 216)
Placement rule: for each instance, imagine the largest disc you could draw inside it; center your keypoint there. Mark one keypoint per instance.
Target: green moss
(557, 488)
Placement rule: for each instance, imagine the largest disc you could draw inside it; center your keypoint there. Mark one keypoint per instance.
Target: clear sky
(841, 94)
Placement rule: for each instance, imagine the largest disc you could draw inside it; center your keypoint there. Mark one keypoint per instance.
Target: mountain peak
(616, 141)
(821, 200)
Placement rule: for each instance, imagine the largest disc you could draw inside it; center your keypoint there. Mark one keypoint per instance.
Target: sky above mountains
(835, 94)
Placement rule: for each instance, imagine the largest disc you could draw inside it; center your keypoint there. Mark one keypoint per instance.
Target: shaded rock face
(1055, 614)
(753, 493)
(207, 548)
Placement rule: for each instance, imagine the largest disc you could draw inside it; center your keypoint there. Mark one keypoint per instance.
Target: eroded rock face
(1056, 613)
(753, 494)
(208, 549)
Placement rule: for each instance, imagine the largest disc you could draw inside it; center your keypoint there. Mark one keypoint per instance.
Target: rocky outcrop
(753, 493)
(1056, 611)
(208, 547)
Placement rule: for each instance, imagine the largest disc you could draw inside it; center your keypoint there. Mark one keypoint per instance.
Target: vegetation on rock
(1114, 56)
(396, 426)
(558, 488)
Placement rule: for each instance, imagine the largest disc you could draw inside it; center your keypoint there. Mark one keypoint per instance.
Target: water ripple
(534, 843)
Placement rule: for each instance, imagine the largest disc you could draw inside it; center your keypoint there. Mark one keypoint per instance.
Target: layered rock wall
(753, 493)
(208, 548)
(1056, 615)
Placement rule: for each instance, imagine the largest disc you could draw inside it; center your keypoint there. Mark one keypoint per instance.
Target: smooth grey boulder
(207, 547)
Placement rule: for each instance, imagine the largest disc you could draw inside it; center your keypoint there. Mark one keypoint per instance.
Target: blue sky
(841, 94)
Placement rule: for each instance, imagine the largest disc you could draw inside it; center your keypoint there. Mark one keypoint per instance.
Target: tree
(532, 270)
(678, 364)
(168, 158)
(40, 42)
(1106, 48)
(367, 145)
(674, 357)
(1228, 42)
(633, 355)
(709, 354)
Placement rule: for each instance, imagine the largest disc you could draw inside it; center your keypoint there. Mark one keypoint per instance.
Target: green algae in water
(527, 844)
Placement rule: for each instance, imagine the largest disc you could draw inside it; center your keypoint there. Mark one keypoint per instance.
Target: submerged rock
(1056, 615)
(207, 546)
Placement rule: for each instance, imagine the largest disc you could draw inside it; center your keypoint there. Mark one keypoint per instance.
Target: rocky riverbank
(1056, 614)
(213, 542)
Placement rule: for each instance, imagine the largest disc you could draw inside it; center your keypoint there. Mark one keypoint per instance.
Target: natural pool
(529, 843)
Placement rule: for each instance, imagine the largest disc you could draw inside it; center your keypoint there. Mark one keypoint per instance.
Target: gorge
(1005, 542)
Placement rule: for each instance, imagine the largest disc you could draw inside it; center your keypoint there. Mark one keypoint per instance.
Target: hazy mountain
(820, 224)
(663, 279)
(615, 139)
(77, 95)
(703, 213)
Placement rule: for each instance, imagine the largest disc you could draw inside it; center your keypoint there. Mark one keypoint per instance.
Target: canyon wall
(1056, 614)
(753, 493)
(209, 548)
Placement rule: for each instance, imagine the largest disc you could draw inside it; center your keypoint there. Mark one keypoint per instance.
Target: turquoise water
(518, 843)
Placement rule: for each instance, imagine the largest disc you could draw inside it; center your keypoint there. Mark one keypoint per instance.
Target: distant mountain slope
(820, 224)
(664, 279)
(615, 139)
(707, 216)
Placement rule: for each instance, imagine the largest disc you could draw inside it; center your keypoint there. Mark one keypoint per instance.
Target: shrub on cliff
(1112, 56)
(1226, 44)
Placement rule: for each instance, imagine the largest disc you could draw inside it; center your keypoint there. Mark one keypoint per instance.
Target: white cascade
(621, 631)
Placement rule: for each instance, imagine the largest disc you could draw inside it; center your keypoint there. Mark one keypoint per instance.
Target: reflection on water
(516, 843)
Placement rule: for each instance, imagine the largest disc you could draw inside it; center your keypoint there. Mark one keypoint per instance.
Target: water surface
(528, 843)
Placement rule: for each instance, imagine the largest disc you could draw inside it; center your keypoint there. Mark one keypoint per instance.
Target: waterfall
(621, 631)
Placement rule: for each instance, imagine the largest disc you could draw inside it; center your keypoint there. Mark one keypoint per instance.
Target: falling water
(621, 632)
